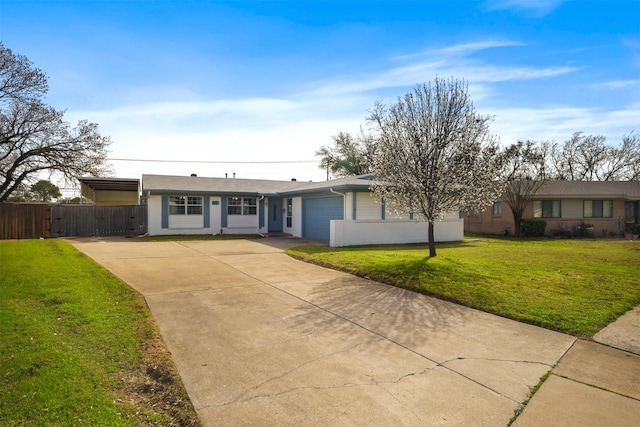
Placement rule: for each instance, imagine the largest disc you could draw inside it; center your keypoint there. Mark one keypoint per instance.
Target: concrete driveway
(262, 339)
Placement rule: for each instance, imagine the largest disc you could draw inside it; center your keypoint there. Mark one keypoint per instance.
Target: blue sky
(271, 81)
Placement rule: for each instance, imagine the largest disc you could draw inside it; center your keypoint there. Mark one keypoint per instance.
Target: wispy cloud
(538, 8)
(452, 61)
(618, 84)
(461, 49)
(292, 126)
(557, 123)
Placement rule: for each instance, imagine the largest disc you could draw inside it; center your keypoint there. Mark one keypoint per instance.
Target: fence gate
(25, 220)
(88, 221)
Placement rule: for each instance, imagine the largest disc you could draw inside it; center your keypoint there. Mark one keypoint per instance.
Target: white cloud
(618, 84)
(537, 7)
(461, 49)
(294, 126)
(559, 122)
(474, 71)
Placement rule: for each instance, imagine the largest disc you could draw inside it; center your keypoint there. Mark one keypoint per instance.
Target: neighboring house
(607, 205)
(111, 191)
(341, 211)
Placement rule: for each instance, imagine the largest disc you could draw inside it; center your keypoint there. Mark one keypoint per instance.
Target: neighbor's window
(597, 209)
(474, 212)
(497, 209)
(185, 205)
(242, 206)
(630, 211)
(547, 209)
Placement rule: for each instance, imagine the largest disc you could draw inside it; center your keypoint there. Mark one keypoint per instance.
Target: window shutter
(206, 206)
(164, 222)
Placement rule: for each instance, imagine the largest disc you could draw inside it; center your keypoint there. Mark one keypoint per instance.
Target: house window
(289, 212)
(547, 209)
(474, 212)
(597, 209)
(185, 205)
(630, 214)
(496, 210)
(242, 206)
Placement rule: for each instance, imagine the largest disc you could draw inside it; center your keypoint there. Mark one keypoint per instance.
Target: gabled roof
(169, 183)
(195, 184)
(360, 182)
(591, 189)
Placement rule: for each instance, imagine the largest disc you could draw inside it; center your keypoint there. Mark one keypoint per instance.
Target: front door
(275, 214)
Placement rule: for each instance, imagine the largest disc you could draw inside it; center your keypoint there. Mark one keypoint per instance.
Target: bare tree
(349, 155)
(590, 158)
(33, 136)
(623, 163)
(434, 153)
(524, 171)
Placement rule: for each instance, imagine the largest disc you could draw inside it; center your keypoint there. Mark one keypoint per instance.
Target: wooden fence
(32, 221)
(87, 221)
(25, 221)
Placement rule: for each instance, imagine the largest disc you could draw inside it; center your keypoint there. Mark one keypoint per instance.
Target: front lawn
(78, 346)
(575, 286)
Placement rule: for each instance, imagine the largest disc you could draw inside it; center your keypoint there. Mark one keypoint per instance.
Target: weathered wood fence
(86, 221)
(25, 221)
(31, 221)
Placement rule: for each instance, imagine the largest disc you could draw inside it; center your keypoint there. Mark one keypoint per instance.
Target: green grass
(78, 346)
(185, 237)
(573, 286)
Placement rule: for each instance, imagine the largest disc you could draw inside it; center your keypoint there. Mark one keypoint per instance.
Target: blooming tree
(434, 153)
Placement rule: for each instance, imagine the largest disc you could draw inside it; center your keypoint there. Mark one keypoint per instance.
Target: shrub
(533, 227)
(584, 230)
(632, 228)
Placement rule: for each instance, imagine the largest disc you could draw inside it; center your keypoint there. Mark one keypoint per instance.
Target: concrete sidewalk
(262, 339)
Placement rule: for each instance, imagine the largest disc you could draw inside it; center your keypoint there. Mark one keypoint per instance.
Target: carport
(111, 191)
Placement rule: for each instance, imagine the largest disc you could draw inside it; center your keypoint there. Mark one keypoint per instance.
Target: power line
(212, 161)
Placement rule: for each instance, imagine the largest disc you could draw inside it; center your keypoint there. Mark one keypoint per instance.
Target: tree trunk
(517, 220)
(432, 242)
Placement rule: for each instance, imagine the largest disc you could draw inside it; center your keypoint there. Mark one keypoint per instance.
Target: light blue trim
(317, 212)
(354, 214)
(164, 212)
(206, 211)
(223, 216)
(261, 213)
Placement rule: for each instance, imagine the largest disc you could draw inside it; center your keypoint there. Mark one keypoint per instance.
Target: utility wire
(213, 161)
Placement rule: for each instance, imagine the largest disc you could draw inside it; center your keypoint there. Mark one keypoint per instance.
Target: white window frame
(185, 205)
(242, 205)
(289, 213)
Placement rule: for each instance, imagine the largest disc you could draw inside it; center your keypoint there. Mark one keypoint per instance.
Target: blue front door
(275, 214)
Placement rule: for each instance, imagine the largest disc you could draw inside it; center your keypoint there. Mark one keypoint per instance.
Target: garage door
(317, 212)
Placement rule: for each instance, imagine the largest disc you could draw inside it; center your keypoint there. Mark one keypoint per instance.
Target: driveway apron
(262, 339)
